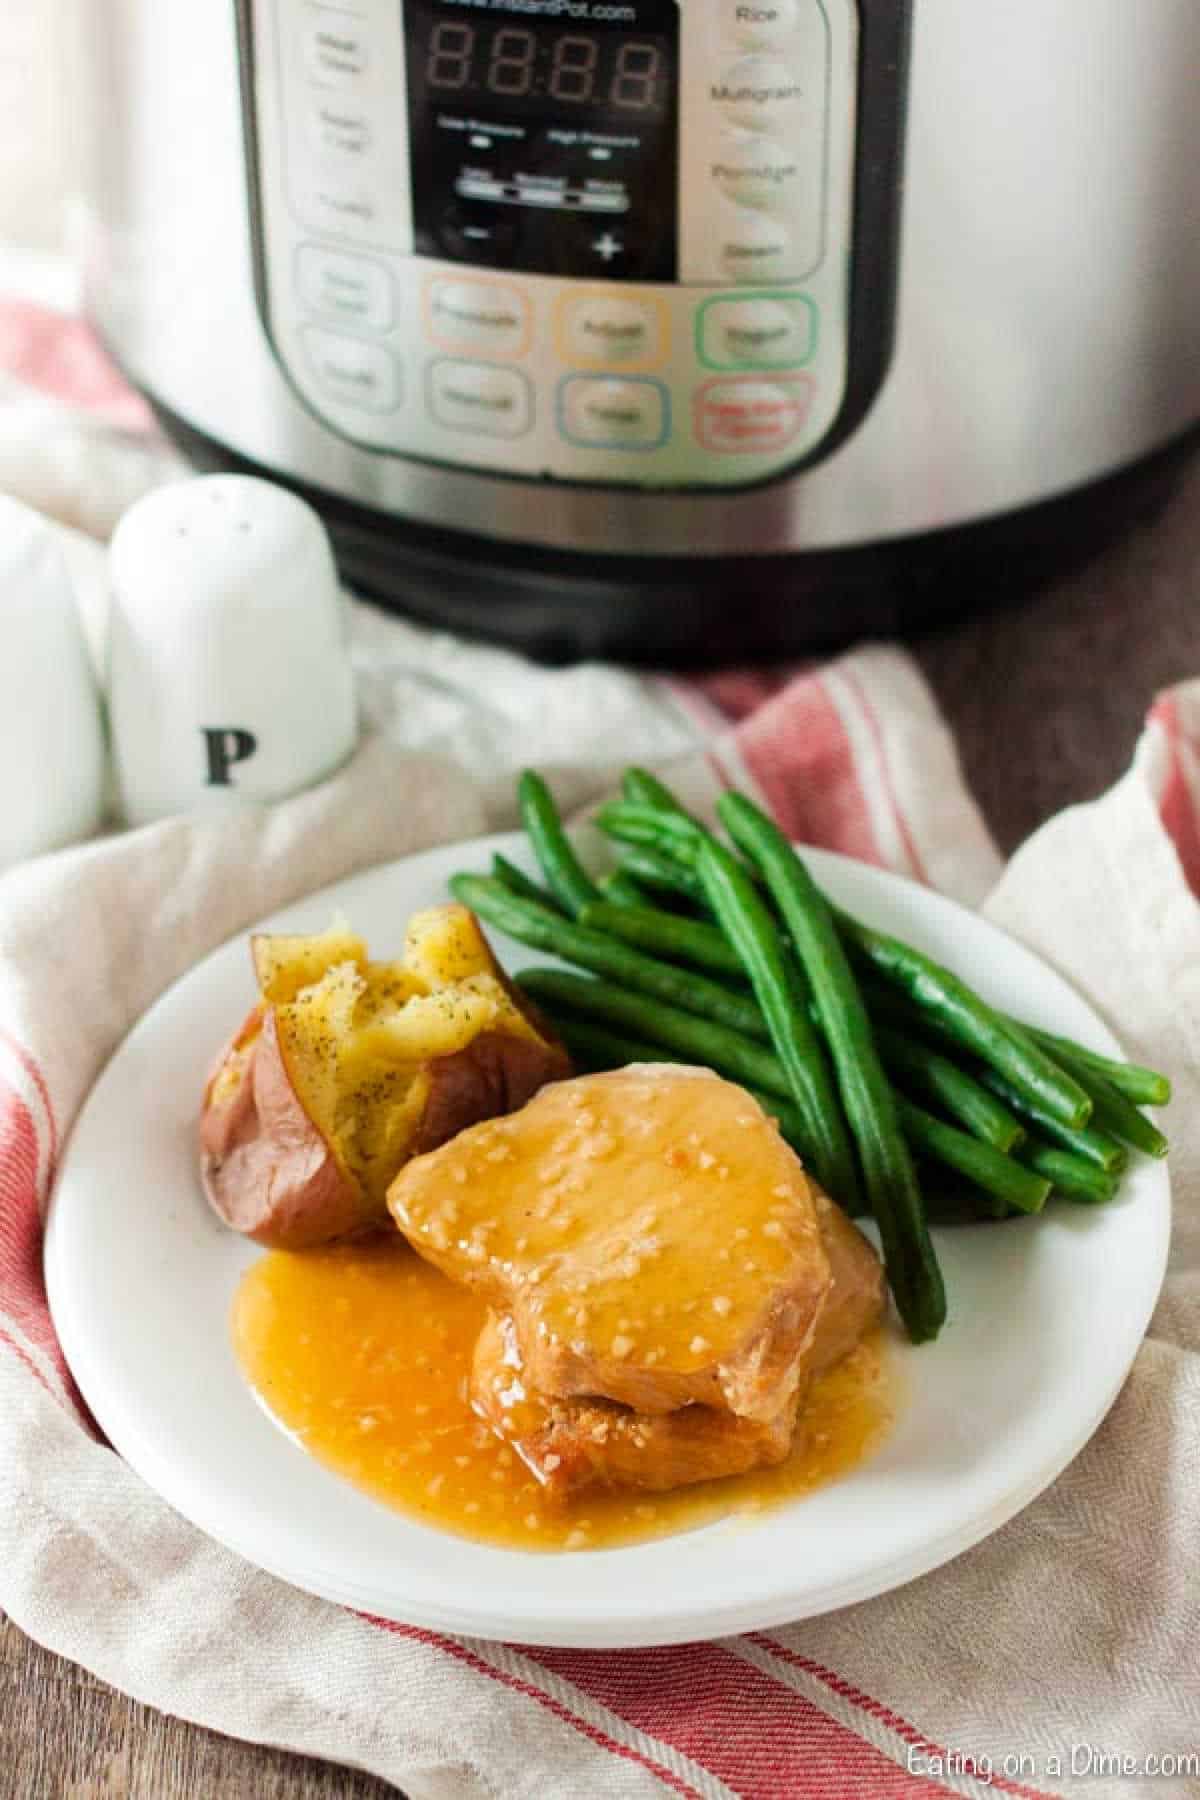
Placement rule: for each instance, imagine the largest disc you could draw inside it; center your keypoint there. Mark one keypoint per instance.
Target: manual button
(613, 414)
(466, 396)
(609, 328)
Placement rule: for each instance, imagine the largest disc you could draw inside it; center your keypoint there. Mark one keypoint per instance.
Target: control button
(771, 331)
(338, 132)
(618, 414)
(760, 94)
(344, 287)
(758, 24)
(478, 397)
(336, 51)
(477, 315)
(756, 171)
(751, 246)
(354, 372)
(609, 328)
(751, 417)
(479, 234)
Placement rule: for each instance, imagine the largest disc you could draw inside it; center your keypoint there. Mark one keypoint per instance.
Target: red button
(751, 417)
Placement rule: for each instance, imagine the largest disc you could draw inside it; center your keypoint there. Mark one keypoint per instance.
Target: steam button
(753, 247)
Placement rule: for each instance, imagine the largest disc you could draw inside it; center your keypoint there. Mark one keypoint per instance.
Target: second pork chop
(652, 1236)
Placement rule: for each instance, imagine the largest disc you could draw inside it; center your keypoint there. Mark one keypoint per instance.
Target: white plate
(1045, 1319)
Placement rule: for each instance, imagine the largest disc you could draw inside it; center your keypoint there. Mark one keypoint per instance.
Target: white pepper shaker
(229, 668)
(52, 756)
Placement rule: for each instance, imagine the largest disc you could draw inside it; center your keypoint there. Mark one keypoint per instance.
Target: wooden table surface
(1046, 699)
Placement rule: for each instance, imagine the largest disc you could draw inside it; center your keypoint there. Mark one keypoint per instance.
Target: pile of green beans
(883, 1069)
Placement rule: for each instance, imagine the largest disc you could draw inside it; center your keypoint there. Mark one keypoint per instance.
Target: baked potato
(347, 1068)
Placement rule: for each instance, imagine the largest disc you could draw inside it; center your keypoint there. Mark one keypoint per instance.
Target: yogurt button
(604, 329)
(757, 334)
(756, 171)
(477, 397)
(759, 93)
(752, 247)
(758, 24)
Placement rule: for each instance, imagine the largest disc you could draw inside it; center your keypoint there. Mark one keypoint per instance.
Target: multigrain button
(478, 397)
(608, 328)
(751, 418)
(757, 24)
(760, 94)
(353, 371)
(477, 315)
(775, 331)
(752, 246)
(336, 51)
(616, 414)
(344, 287)
(757, 171)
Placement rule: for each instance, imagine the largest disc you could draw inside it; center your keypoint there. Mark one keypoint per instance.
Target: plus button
(608, 246)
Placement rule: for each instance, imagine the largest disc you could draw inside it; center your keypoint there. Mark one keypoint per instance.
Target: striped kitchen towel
(1074, 1626)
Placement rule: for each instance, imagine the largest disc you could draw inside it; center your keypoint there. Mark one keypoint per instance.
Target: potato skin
(269, 1173)
(266, 1169)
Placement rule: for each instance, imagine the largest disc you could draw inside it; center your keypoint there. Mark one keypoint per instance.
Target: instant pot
(665, 327)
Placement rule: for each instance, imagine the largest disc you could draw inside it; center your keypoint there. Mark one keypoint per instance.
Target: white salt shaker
(52, 757)
(229, 669)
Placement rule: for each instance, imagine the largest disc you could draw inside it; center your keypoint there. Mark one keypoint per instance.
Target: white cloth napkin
(1072, 1631)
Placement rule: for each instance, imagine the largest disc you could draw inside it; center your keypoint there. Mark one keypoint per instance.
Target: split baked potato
(347, 1068)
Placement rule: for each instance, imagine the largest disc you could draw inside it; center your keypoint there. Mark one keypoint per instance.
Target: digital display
(576, 69)
(544, 134)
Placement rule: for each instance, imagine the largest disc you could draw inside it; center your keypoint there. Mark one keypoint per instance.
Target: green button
(759, 331)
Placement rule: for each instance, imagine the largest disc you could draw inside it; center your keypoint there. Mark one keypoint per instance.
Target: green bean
(565, 874)
(1113, 1111)
(622, 890)
(666, 934)
(997, 1174)
(891, 1180)
(544, 930)
(695, 1039)
(640, 788)
(750, 929)
(649, 828)
(662, 873)
(1145, 1087)
(594, 1047)
(975, 1025)
(937, 1078)
(1070, 1175)
(517, 882)
(1093, 1145)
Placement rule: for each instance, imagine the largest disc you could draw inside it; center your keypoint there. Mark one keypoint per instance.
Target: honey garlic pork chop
(583, 1442)
(578, 1443)
(654, 1239)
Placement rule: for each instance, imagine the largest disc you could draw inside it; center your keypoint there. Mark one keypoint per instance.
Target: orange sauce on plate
(362, 1352)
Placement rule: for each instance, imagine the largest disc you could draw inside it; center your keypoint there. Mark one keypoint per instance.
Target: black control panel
(544, 134)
